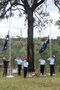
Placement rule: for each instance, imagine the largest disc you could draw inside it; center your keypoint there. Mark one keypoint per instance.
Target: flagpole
(10, 49)
(49, 28)
(50, 34)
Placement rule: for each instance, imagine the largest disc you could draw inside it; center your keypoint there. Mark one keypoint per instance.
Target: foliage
(58, 22)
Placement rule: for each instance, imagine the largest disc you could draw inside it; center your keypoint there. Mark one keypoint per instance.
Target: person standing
(42, 65)
(52, 60)
(19, 62)
(5, 66)
(25, 63)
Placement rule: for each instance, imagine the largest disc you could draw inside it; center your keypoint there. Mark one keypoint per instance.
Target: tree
(28, 6)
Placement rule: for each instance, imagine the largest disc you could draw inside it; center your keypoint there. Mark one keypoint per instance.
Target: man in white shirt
(52, 60)
(19, 62)
(25, 63)
(42, 65)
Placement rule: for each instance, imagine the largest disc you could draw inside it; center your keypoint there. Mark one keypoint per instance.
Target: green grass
(34, 83)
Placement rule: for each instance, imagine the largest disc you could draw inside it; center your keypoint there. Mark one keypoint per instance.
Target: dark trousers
(25, 72)
(5, 72)
(51, 70)
(19, 69)
(42, 69)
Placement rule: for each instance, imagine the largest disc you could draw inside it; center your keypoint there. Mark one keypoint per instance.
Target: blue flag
(44, 45)
(6, 40)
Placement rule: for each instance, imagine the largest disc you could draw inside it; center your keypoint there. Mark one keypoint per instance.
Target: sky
(16, 25)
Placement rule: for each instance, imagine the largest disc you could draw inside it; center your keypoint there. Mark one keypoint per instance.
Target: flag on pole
(44, 45)
(6, 40)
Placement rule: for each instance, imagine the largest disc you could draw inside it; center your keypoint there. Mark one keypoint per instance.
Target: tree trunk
(30, 44)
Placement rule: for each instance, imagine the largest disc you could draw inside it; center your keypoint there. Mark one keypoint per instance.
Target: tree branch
(58, 5)
(36, 4)
(18, 9)
(26, 5)
(10, 8)
(22, 1)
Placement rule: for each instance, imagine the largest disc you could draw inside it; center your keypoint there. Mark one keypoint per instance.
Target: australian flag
(6, 40)
(44, 45)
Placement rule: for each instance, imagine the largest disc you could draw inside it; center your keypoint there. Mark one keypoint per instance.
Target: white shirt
(42, 62)
(25, 64)
(51, 61)
(19, 61)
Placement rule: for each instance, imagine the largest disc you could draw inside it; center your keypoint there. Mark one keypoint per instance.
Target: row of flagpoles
(44, 46)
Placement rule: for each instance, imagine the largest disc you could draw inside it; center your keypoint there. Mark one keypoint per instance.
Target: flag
(44, 45)
(6, 40)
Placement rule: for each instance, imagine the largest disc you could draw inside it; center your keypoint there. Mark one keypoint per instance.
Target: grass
(34, 83)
